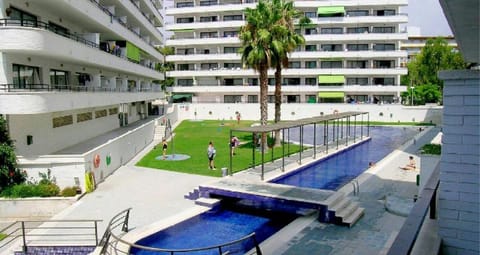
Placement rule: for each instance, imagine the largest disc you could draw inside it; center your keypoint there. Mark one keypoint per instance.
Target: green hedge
(31, 190)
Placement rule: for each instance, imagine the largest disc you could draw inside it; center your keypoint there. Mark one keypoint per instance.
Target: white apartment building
(352, 52)
(74, 70)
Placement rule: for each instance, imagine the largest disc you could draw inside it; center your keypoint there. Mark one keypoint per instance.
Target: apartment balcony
(227, 7)
(372, 19)
(298, 55)
(202, 41)
(363, 37)
(288, 89)
(37, 40)
(291, 72)
(43, 98)
(205, 25)
(363, 3)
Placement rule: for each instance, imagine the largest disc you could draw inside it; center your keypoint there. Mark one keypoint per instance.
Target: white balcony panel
(47, 44)
(374, 88)
(395, 19)
(203, 41)
(205, 25)
(348, 54)
(347, 3)
(288, 72)
(356, 37)
(44, 102)
(207, 9)
(202, 57)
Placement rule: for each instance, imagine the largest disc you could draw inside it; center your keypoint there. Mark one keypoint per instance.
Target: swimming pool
(229, 222)
(233, 220)
(335, 171)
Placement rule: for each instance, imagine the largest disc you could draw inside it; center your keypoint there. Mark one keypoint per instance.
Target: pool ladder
(356, 187)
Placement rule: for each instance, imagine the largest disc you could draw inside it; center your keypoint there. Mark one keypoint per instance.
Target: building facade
(72, 70)
(352, 53)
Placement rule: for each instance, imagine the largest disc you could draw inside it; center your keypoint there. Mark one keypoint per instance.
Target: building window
(357, 30)
(310, 81)
(310, 31)
(25, 75)
(26, 19)
(252, 81)
(209, 66)
(188, 51)
(383, 30)
(355, 13)
(311, 99)
(357, 81)
(271, 99)
(208, 3)
(232, 99)
(383, 81)
(58, 77)
(185, 82)
(332, 30)
(383, 63)
(208, 19)
(385, 12)
(331, 64)
(252, 99)
(230, 34)
(232, 65)
(311, 15)
(185, 67)
(357, 64)
(311, 47)
(184, 4)
(291, 81)
(233, 82)
(357, 47)
(384, 46)
(230, 49)
(185, 20)
(208, 34)
(332, 47)
(232, 17)
(294, 64)
(293, 98)
(310, 64)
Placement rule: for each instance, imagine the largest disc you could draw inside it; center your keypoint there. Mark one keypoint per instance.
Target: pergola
(341, 130)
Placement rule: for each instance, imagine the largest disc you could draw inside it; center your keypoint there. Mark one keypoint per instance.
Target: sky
(428, 16)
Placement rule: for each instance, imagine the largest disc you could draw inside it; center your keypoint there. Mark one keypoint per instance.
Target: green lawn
(192, 138)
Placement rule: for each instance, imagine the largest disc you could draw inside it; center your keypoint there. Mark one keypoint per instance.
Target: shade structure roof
(297, 123)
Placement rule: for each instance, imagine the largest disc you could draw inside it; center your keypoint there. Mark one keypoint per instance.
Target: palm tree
(257, 40)
(165, 51)
(284, 16)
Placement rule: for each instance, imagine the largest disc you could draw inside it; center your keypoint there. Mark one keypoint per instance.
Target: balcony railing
(70, 88)
(46, 26)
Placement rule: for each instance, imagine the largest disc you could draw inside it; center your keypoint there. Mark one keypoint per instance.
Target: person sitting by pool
(411, 164)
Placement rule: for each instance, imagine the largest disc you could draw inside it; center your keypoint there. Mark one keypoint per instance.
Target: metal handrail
(405, 240)
(116, 221)
(69, 88)
(69, 233)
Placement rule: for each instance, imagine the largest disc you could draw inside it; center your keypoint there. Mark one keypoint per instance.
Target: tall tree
(164, 67)
(256, 50)
(437, 55)
(284, 15)
(423, 70)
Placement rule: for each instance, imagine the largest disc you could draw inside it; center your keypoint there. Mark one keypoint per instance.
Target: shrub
(31, 190)
(69, 192)
(47, 190)
(433, 149)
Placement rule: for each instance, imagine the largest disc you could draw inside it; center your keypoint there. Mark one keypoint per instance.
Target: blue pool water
(233, 221)
(333, 172)
(215, 227)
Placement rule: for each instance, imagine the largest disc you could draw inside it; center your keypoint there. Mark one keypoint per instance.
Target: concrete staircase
(343, 211)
